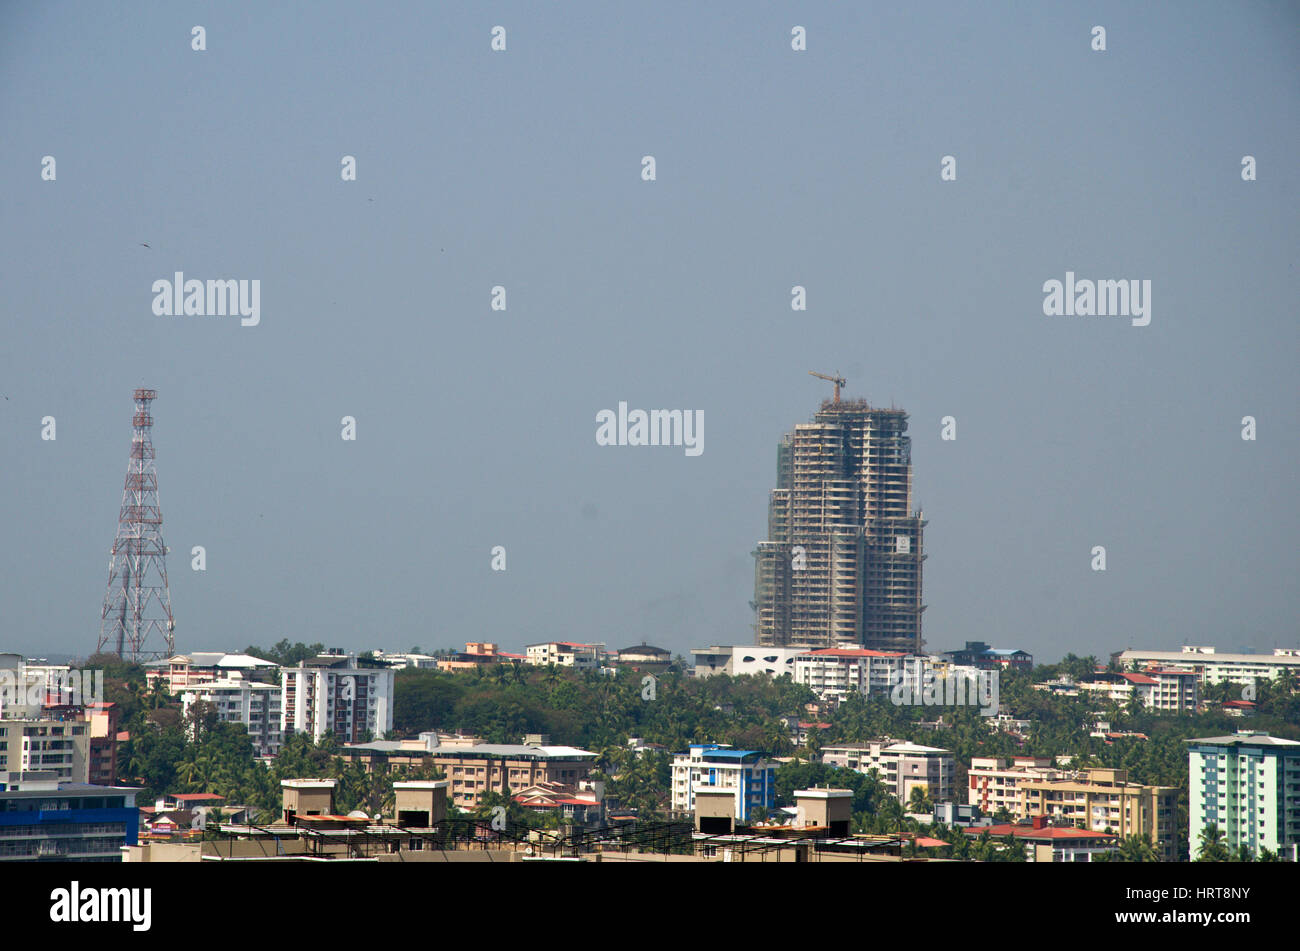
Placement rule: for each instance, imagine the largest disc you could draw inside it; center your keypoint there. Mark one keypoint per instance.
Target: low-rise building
(744, 660)
(1214, 667)
(383, 755)
(408, 661)
(645, 657)
(479, 654)
(475, 770)
(580, 804)
(565, 654)
(1047, 843)
(201, 667)
(979, 655)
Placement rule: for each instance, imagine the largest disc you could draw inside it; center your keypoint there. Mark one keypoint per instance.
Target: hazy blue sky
(523, 168)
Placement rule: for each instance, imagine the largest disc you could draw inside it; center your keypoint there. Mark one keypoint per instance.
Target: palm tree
(1137, 849)
(187, 772)
(1212, 847)
(920, 802)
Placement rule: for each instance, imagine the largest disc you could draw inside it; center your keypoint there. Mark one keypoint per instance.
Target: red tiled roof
(852, 652)
(1028, 832)
(925, 842)
(1138, 678)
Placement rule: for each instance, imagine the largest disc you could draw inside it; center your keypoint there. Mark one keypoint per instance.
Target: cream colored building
(43, 743)
(1104, 799)
(994, 783)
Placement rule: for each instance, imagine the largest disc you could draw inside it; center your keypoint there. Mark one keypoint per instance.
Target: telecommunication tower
(137, 623)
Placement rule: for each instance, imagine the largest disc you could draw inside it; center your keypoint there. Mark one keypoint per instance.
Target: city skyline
(458, 248)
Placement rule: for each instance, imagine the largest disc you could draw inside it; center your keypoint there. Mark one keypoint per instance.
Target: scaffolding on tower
(136, 623)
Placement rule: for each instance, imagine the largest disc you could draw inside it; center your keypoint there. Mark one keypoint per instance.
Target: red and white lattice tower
(137, 622)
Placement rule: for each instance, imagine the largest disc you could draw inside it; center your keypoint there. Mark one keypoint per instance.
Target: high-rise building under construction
(842, 563)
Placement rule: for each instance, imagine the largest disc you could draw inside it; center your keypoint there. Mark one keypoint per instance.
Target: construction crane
(837, 380)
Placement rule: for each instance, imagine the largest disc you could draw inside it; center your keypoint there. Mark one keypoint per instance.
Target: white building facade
(254, 704)
(900, 766)
(336, 693)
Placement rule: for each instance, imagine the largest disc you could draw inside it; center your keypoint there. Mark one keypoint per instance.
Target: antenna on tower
(137, 603)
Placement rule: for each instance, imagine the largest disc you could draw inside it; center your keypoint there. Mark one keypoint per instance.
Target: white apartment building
(255, 705)
(338, 693)
(835, 673)
(992, 782)
(752, 660)
(900, 766)
(407, 661)
(1212, 667)
(1249, 786)
(565, 654)
(747, 774)
(741, 660)
(201, 667)
(1164, 691)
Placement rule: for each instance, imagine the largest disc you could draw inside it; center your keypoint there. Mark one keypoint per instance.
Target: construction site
(841, 565)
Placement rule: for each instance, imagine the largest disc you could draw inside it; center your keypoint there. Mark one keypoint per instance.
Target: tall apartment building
(746, 775)
(339, 693)
(900, 766)
(255, 705)
(842, 561)
(102, 750)
(1104, 799)
(1249, 786)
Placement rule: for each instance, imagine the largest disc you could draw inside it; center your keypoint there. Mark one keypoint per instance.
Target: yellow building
(1104, 800)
